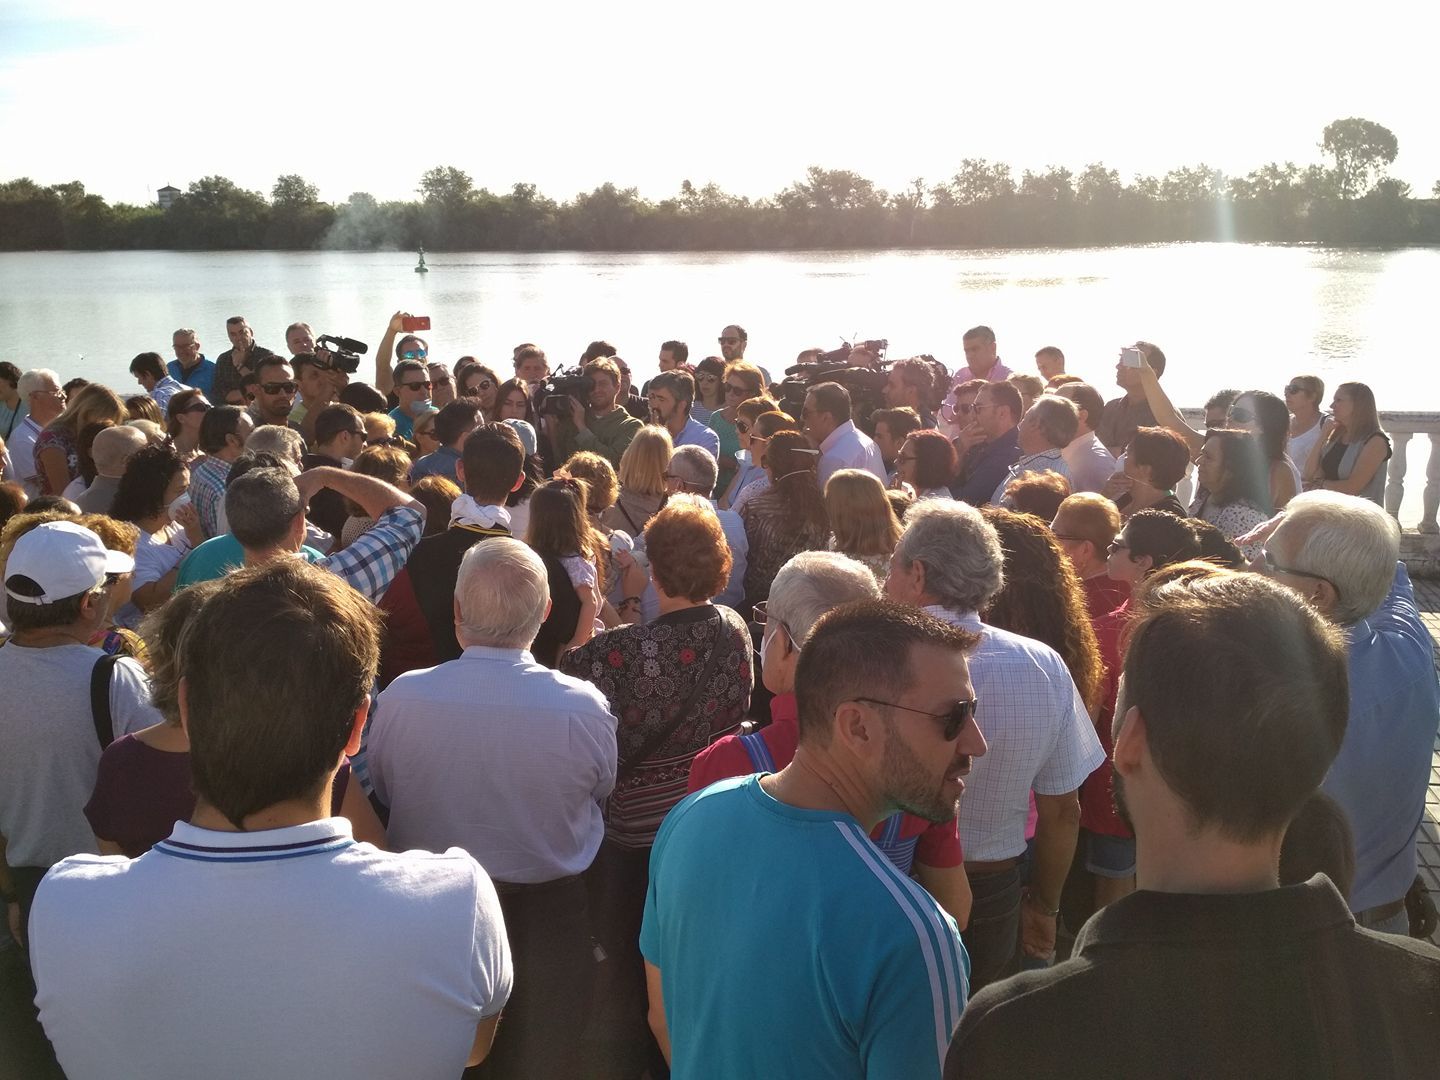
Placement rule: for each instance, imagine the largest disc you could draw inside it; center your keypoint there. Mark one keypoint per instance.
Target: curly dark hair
(1043, 599)
(141, 492)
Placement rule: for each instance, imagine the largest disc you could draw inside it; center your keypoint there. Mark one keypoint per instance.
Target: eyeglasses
(738, 391)
(426, 385)
(1292, 388)
(1273, 567)
(197, 407)
(414, 354)
(728, 340)
(386, 440)
(1241, 415)
(964, 409)
(362, 433)
(279, 387)
(761, 611)
(483, 384)
(1118, 544)
(952, 720)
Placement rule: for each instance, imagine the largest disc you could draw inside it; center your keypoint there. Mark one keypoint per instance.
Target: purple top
(140, 793)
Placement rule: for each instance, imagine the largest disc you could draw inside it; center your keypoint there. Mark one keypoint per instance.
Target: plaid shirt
(207, 491)
(373, 559)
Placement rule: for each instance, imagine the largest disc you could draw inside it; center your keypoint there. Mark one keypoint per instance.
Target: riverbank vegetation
(1348, 200)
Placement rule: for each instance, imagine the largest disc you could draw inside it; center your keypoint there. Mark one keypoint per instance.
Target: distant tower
(166, 195)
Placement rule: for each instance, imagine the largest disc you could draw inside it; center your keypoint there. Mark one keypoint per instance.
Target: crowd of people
(976, 726)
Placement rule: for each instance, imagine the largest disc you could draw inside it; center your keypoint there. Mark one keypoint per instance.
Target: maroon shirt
(140, 793)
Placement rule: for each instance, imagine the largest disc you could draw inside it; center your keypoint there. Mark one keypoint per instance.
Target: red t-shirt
(937, 844)
(1097, 804)
(1104, 594)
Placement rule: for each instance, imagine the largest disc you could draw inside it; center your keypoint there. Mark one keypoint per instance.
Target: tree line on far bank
(1349, 200)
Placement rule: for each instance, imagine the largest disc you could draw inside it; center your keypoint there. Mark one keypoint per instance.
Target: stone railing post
(1395, 484)
(1432, 487)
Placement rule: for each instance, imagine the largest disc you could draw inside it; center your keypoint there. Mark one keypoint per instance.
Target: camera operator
(910, 383)
(603, 427)
(827, 424)
(317, 389)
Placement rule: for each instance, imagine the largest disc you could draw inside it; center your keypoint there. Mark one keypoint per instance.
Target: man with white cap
(64, 701)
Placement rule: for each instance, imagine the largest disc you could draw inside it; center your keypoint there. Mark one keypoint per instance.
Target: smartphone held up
(413, 324)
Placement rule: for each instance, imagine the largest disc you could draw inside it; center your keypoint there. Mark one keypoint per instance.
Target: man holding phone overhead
(408, 347)
(1123, 416)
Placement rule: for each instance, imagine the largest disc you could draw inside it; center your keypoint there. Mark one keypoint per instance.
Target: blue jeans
(993, 937)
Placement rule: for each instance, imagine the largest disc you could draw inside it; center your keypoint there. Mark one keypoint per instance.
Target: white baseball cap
(64, 559)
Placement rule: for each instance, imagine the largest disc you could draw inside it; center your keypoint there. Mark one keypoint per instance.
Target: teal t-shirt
(216, 557)
(404, 423)
(789, 946)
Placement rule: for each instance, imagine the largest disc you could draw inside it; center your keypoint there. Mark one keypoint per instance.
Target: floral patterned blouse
(646, 673)
(53, 439)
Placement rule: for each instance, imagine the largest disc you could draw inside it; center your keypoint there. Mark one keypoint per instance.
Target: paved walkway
(1427, 593)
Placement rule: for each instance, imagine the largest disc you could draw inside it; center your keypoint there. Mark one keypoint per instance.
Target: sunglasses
(1273, 567)
(738, 391)
(483, 384)
(728, 340)
(742, 427)
(387, 440)
(414, 354)
(279, 387)
(1241, 415)
(426, 385)
(952, 720)
(1293, 388)
(198, 407)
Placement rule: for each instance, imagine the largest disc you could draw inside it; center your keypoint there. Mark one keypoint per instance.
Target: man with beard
(1212, 968)
(671, 395)
(949, 562)
(821, 933)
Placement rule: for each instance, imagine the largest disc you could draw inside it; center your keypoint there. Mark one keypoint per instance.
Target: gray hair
(37, 379)
(1058, 419)
(964, 563)
(503, 591)
(813, 583)
(283, 442)
(1350, 542)
(696, 466)
(260, 506)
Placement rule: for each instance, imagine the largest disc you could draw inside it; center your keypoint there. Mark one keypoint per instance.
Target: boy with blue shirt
(823, 938)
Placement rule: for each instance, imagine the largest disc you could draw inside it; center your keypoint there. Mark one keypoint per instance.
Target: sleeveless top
(1338, 462)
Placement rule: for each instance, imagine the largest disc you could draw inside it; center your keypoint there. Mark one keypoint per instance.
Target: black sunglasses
(279, 387)
(738, 391)
(1241, 415)
(1293, 388)
(952, 720)
(426, 385)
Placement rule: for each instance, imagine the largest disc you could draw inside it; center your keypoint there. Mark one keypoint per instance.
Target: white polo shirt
(288, 952)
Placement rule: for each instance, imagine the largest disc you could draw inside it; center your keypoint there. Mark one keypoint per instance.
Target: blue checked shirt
(207, 492)
(373, 559)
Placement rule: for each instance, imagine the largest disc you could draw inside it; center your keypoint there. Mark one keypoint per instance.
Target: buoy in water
(420, 267)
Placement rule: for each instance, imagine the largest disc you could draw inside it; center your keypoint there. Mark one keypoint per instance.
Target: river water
(1241, 315)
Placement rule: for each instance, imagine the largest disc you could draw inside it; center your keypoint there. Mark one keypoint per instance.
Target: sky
(360, 96)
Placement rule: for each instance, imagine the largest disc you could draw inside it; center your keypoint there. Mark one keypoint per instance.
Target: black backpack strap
(100, 676)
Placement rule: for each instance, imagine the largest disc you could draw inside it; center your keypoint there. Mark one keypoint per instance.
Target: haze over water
(1239, 315)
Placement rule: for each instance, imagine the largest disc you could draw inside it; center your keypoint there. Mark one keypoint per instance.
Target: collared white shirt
(847, 447)
(496, 754)
(1090, 464)
(1045, 461)
(1038, 735)
(283, 952)
(21, 447)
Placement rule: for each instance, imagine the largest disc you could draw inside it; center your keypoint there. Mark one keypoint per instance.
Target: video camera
(346, 351)
(553, 396)
(866, 384)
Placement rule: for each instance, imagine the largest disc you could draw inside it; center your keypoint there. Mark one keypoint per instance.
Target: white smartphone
(1131, 358)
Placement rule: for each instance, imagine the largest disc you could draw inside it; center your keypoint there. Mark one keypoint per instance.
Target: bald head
(113, 447)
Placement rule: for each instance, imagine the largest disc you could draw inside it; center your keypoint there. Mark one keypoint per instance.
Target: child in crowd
(559, 529)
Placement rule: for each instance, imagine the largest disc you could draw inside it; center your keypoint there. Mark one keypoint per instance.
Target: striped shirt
(768, 919)
(207, 491)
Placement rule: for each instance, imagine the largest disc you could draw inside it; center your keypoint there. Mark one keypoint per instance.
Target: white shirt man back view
(260, 940)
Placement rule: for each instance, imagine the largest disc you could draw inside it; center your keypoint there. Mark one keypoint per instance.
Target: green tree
(292, 190)
(1096, 184)
(1362, 149)
(216, 214)
(446, 185)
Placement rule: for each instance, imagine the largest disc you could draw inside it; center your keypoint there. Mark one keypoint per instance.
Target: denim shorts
(1109, 856)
